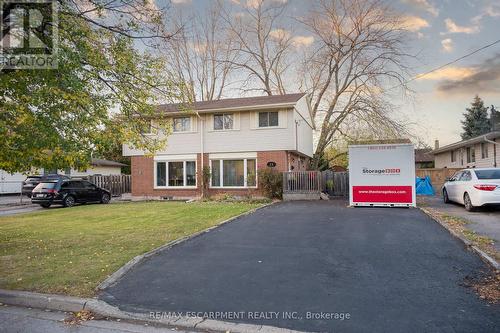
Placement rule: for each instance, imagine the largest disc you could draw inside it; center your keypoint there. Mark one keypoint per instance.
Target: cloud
(300, 41)
(454, 28)
(485, 78)
(488, 11)
(415, 23)
(423, 5)
(279, 34)
(447, 44)
(180, 2)
(257, 3)
(449, 73)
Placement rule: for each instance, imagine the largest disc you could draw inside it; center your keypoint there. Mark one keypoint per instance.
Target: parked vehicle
(32, 181)
(68, 193)
(473, 188)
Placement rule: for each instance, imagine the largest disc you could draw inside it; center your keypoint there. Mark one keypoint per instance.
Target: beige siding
(245, 135)
(443, 160)
(96, 170)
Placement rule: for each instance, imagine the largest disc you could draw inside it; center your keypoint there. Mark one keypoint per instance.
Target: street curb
(113, 278)
(42, 301)
(484, 256)
(75, 304)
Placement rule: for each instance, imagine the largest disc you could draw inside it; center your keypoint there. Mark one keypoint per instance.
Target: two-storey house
(234, 138)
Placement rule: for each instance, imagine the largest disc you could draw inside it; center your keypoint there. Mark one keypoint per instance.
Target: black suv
(32, 181)
(68, 192)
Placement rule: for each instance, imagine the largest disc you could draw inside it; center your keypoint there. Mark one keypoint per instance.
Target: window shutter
(194, 123)
(236, 120)
(282, 119)
(210, 122)
(253, 119)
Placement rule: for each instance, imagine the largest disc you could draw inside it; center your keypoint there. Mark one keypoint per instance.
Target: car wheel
(45, 205)
(468, 203)
(446, 199)
(105, 198)
(69, 201)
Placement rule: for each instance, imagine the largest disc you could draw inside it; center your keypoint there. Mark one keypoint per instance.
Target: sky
(441, 31)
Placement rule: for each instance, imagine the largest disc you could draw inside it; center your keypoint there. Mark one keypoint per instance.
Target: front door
(92, 193)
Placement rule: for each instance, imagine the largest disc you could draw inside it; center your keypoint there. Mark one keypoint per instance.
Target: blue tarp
(423, 186)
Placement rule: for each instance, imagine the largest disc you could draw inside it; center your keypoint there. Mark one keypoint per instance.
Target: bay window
(175, 174)
(233, 173)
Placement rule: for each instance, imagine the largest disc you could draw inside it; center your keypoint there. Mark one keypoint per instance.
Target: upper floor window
(484, 150)
(223, 121)
(182, 124)
(453, 156)
(268, 119)
(471, 155)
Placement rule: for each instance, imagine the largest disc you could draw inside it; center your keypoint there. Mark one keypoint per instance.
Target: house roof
(424, 155)
(103, 162)
(243, 103)
(464, 143)
(380, 142)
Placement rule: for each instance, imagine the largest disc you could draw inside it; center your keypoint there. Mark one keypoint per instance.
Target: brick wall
(142, 170)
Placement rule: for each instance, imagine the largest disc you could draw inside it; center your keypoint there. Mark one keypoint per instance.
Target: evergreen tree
(494, 119)
(476, 120)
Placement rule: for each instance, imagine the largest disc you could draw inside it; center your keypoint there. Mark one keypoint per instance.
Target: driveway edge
(76, 304)
(113, 278)
(484, 256)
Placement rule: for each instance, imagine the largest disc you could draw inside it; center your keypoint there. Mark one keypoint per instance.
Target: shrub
(271, 183)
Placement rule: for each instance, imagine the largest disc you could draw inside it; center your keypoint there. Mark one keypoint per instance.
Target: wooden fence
(437, 176)
(116, 184)
(335, 183)
(302, 185)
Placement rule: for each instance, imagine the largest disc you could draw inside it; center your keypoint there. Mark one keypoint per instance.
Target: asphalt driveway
(484, 220)
(390, 270)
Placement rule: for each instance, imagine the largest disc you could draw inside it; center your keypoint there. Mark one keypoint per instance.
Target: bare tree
(359, 49)
(262, 44)
(201, 53)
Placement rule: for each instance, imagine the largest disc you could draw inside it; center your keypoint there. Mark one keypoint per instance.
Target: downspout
(202, 126)
(494, 150)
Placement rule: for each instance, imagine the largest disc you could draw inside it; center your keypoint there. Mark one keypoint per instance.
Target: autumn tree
(262, 43)
(359, 49)
(202, 52)
(55, 118)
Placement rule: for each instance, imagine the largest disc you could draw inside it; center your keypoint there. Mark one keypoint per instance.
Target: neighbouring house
(11, 183)
(424, 159)
(480, 152)
(234, 138)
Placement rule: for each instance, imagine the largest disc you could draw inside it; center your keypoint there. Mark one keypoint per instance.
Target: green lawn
(70, 250)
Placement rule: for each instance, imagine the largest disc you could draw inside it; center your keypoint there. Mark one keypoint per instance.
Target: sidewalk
(19, 319)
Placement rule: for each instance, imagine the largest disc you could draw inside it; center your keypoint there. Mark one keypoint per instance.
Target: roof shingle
(232, 103)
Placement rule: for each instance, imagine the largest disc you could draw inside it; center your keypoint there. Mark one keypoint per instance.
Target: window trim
(245, 175)
(484, 150)
(155, 170)
(190, 130)
(223, 128)
(268, 126)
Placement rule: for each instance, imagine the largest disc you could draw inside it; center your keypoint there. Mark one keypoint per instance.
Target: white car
(473, 187)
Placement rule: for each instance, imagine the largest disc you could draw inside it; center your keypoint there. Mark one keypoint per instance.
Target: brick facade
(142, 170)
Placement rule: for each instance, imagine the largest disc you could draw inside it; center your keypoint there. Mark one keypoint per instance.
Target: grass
(70, 251)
